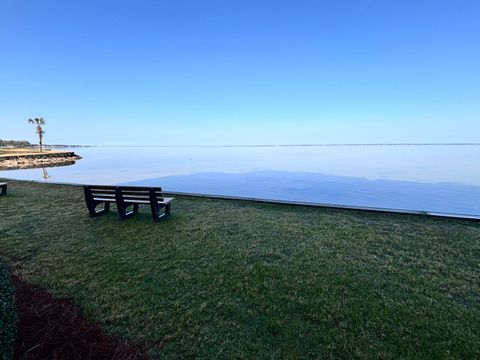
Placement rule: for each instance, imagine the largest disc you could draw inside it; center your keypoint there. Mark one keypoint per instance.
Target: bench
(3, 188)
(125, 197)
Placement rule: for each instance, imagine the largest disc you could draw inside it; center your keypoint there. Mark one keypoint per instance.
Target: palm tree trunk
(39, 131)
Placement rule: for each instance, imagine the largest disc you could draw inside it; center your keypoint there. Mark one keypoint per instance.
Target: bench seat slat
(164, 201)
(133, 198)
(108, 199)
(136, 201)
(145, 196)
(105, 191)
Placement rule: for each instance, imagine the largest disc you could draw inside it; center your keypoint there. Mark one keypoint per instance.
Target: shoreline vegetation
(236, 279)
(26, 158)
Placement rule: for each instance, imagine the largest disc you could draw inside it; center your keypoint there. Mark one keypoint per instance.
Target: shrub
(8, 316)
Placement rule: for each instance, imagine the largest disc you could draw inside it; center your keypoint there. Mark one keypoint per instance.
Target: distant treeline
(14, 143)
(25, 143)
(66, 146)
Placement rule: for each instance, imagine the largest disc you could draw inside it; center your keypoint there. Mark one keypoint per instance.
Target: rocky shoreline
(38, 161)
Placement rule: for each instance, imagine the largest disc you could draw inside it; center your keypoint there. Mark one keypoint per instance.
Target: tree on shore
(40, 132)
(14, 143)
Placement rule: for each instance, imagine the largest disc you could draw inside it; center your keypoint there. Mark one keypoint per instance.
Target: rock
(37, 162)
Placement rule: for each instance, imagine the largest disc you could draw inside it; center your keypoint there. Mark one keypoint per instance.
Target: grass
(24, 151)
(241, 280)
(8, 316)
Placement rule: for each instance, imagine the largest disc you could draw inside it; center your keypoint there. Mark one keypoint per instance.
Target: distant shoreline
(273, 145)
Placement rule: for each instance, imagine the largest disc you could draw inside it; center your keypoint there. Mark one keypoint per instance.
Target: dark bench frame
(124, 197)
(3, 187)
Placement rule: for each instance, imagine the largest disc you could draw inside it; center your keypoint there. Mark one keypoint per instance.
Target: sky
(177, 72)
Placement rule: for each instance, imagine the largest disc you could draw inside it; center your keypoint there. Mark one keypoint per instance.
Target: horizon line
(281, 145)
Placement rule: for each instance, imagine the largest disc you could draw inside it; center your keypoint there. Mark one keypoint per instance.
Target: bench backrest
(100, 193)
(136, 193)
(126, 193)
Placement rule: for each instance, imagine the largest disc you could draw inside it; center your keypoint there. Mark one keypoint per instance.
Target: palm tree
(40, 132)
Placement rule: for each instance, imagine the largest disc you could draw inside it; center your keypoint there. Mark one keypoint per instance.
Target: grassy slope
(22, 151)
(232, 279)
(28, 151)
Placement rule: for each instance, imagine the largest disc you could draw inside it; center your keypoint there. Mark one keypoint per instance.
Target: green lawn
(22, 151)
(242, 280)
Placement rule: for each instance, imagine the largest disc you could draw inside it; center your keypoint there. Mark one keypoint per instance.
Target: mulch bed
(55, 329)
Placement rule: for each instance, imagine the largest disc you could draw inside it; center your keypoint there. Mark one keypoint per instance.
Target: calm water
(431, 178)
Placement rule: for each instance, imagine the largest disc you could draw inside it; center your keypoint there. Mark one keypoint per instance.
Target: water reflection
(12, 170)
(45, 175)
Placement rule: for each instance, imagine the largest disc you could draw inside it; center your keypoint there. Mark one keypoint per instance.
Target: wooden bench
(125, 197)
(3, 188)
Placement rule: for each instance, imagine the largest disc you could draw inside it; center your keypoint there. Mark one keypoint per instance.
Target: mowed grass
(23, 151)
(224, 279)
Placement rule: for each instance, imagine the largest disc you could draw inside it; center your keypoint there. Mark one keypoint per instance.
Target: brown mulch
(55, 329)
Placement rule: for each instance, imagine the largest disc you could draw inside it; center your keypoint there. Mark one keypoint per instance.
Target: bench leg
(167, 210)
(92, 209)
(4, 190)
(154, 208)
(122, 211)
(156, 212)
